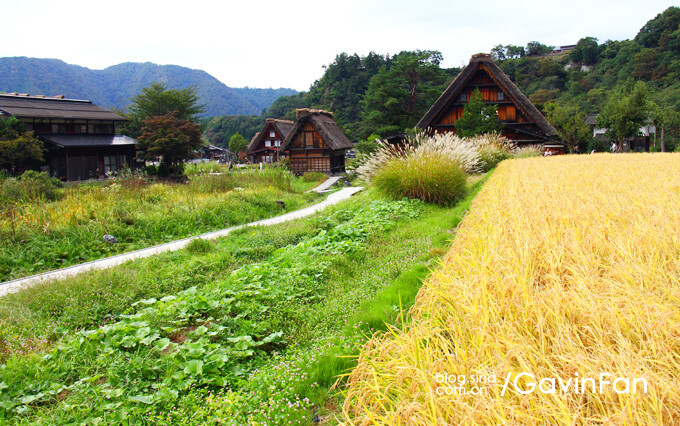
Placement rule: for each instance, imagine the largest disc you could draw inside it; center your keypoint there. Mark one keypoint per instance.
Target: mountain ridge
(116, 85)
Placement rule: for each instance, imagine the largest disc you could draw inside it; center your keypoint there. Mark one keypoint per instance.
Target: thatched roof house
(265, 146)
(522, 121)
(316, 143)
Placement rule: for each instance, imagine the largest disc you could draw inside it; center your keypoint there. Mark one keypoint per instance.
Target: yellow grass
(565, 267)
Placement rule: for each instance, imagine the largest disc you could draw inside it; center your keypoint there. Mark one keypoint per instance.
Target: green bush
(30, 186)
(428, 177)
(313, 176)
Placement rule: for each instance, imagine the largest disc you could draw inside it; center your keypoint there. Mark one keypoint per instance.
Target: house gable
(265, 145)
(522, 122)
(308, 137)
(316, 143)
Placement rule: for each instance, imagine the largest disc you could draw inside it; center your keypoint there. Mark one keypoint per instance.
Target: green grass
(35, 318)
(317, 288)
(40, 235)
(365, 293)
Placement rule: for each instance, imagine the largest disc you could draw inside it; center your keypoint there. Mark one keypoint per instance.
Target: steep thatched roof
(452, 92)
(282, 126)
(323, 122)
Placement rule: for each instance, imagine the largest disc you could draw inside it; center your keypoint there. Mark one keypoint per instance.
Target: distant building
(563, 49)
(316, 143)
(265, 146)
(215, 153)
(640, 143)
(522, 122)
(80, 137)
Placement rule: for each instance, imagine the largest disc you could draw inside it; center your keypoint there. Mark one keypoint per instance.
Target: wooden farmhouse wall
(309, 152)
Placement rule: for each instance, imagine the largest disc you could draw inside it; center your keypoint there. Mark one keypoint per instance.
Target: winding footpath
(13, 286)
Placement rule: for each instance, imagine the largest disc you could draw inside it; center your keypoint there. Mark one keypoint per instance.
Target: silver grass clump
(529, 151)
(466, 152)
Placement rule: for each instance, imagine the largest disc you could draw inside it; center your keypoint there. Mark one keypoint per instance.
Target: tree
(238, 143)
(625, 111)
(170, 139)
(398, 96)
(18, 151)
(219, 130)
(514, 52)
(541, 97)
(659, 31)
(645, 65)
(157, 100)
(478, 118)
(535, 48)
(587, 51)
(666, 118)
(498, 52)
(570, 124)
(369, 145)
(18, 154)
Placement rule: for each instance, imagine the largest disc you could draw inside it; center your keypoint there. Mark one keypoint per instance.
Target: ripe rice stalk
(565, 267)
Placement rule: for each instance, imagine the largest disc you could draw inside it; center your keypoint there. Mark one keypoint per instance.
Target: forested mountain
(585, 75)
(115, 86)
(383, 94)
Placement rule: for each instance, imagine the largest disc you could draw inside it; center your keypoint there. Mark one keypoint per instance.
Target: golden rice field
(565, 268)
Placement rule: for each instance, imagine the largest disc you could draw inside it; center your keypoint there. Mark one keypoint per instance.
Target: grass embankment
(42, 235)
(258, 344)
(565, 268)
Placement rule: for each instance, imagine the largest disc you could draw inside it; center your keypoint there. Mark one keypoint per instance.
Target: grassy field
(565, 268)
(252, 329)
(39, 235)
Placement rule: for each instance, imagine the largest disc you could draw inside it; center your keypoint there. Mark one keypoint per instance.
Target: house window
(277, 142)
(110, 163)
(272, 134)
(267, 143)
(462, 97)
(55, 128)
(309, 139)
(500, 96)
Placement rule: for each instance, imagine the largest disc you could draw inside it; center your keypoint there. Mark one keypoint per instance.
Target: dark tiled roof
(323, 122)
(45, 107)
(87, 140)
(458, 84)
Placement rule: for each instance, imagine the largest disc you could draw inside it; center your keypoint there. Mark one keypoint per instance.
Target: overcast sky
(285, 43)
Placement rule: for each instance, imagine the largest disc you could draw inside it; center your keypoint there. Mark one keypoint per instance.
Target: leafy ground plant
(199, 338)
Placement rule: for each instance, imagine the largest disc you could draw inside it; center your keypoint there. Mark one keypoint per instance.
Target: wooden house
(265, 146)
(316, 143)
(522, 122)
(215, 153)
(80, 137)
